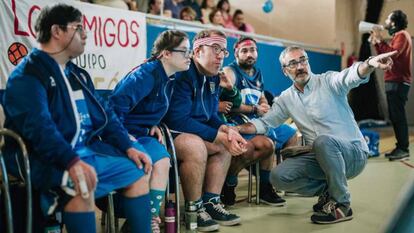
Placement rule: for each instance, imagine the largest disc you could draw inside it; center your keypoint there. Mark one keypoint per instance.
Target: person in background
(174, 6)
(78, 149)
(195, 5)
(188, 14)
(224, 7)
(216, 18)
(239, 24)
(398, 79)
(206, 7)
(154, 7)
(318, 105)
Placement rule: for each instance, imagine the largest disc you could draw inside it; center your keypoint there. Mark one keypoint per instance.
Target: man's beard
(246, 65)
(300, 81)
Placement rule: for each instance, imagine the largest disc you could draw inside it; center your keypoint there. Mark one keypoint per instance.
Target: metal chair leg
(257, 183)
(250, 185)
(25, 178)
(170, 145)
(7, 199)
(111, 224)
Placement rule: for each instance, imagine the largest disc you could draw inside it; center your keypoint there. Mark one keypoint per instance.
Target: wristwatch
(367, 61)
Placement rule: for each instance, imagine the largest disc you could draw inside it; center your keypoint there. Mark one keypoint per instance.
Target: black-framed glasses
(186, 53)
(217, 49)
(294, 64)
(79, 27)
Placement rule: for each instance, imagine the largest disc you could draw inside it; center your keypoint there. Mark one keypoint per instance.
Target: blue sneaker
(204, 221)
(217, 212)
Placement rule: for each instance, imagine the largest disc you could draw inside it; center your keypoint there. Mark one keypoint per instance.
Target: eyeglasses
(294, 64)
(217, 49)
(79, 28)
(186, 53)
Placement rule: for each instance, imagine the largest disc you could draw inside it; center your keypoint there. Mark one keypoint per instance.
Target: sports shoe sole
(336, 221)
(399, 159)
(230, 222)
(273, 204)
(209, 228)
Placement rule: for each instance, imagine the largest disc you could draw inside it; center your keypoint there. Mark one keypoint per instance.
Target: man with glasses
(78, 149)
(318, 105)
(248, 79)
(204, 144)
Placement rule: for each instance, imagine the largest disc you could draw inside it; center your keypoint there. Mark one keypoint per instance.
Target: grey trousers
(334, 161)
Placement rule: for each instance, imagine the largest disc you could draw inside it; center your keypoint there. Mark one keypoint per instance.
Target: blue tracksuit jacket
(38, 107)
(141, 99)
(194, 105)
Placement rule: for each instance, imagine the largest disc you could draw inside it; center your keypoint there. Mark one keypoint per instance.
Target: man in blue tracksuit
(76, 144)
(204, 143)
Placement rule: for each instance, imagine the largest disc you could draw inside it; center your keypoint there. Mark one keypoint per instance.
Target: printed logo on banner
(116, 38)
(16, 52)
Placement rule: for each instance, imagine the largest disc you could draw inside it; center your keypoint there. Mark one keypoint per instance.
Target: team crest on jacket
(52, 81)
(258, 84)
(213, 87)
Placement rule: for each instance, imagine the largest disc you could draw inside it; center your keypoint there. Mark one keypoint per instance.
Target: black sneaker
(204, 221)
(332, 212)
(228, 195)
(217, 212)
(390, 153)
(399, 154)
(269, 196)
(322, 200)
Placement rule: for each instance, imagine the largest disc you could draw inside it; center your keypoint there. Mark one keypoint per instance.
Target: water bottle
(52, 226)
(190, 217)
(170, 219)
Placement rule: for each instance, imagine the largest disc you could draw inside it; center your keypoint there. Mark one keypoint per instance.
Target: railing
(196, 26)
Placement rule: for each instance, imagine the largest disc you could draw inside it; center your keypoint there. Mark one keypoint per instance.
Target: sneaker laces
(220, 208)
(329, 207)
(155, 224)
(203, 214)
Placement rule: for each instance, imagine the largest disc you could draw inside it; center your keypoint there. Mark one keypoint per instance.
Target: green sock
(157, 197)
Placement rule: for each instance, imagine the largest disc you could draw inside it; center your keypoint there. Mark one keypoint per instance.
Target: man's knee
(264, 144)
(279, 178)
(162, 164)
(139, 187)
(190, 147)
(323, 142)
(80, 204)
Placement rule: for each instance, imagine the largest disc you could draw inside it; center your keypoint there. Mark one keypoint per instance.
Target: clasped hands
(231, 139)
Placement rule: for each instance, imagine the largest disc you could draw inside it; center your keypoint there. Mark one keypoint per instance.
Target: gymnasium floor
(374, 195)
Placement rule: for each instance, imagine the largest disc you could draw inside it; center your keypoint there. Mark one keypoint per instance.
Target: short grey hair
(290, 49)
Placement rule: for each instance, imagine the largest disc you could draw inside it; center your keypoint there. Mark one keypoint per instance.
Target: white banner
(116, 43)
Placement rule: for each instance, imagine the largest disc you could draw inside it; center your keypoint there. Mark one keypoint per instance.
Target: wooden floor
(375, 193)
